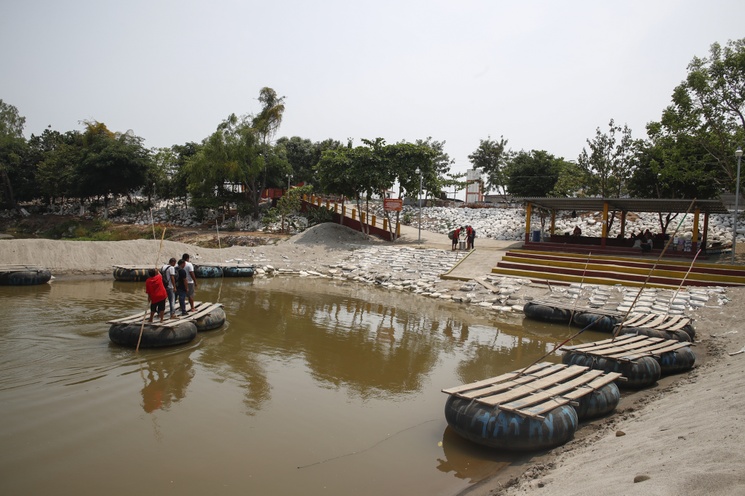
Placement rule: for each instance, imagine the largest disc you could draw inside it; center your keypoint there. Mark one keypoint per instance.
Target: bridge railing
(355, 220)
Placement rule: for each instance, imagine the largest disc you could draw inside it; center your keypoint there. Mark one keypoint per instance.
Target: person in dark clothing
(181, 285)
(169, 275)
(470, 237)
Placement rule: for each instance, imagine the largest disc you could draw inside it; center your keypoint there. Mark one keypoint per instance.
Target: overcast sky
(543, 74)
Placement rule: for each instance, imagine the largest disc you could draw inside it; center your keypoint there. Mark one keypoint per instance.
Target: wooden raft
(202, 309)
(536, 390)
(657, 321)
(628, 347)
(577, 308)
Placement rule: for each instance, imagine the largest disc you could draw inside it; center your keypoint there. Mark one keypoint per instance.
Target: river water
(312, 387)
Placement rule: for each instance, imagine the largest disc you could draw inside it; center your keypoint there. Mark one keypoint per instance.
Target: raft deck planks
(202, 309)
(662, 322)
(536, 390)
(628, 347)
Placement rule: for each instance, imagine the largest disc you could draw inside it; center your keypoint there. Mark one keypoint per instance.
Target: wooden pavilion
(693, 207)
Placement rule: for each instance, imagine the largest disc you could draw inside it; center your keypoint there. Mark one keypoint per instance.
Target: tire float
(130, 274)
(594, 321)
(598, 403)
(639, 373)
(680, 360)
(492, 427)
(24, 276)
(547, 313)
(153, 336)
(238, 271)
(214, 319)
(207, 271)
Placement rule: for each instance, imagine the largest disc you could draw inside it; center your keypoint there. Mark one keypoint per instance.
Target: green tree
(239, 153)
(177, 173)
(112, 164)
(374, 168)
(533, 173)
(12, 150)
(571, 179)
(55, 157)
(491, 158)
(267, 121)
(609, 163)
(456, 181)
(291, 202)
(709, 106)
(441, 162)
(302, 156)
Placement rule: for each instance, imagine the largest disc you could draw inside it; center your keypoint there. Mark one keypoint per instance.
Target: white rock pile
(509, 223)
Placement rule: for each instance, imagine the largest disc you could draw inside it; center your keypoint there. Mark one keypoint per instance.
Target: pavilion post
(604, 234)
(696, 241)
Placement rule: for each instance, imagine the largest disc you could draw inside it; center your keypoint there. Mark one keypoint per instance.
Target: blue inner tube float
(639, 373)
(594, 321)
(213, 320)
(239, 271)
(153, 336)
(599, 402)
(207, 271)
(492, 427)
(127, 274)
(547, 313)
(680, 360)
(24, 276)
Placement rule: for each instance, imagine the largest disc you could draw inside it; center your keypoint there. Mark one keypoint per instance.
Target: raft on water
(210, 270)
(651, 324)
(641, 359)
(533, 409)
(170, 332)
(131, 273)
(23, 275)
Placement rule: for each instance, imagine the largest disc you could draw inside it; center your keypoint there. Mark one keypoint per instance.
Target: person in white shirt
(191, 281)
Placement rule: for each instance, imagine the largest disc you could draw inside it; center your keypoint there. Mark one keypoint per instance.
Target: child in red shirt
(156, 294)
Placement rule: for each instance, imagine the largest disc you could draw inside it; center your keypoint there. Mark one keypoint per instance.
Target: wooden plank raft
(202, 309)
(628, 347)
(576, 308)
(536, 390)
(660, 322)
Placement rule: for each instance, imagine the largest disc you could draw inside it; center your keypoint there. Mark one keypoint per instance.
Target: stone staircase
(568, 268)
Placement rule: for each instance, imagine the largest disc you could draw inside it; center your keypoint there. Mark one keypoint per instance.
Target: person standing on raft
(191, 281)
(156, 294)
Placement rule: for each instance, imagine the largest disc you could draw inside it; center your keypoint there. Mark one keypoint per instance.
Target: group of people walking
(468, 233)
(176, 278)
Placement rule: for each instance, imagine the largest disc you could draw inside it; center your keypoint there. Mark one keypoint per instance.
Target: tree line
(688, 153)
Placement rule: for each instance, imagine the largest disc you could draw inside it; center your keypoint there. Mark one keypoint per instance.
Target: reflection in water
(470, 461)
(165, 381)
(304, 371)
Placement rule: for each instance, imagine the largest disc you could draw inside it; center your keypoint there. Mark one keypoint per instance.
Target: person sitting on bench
(646, 245)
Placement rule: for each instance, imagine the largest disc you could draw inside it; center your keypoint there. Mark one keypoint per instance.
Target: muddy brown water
(313, 387)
